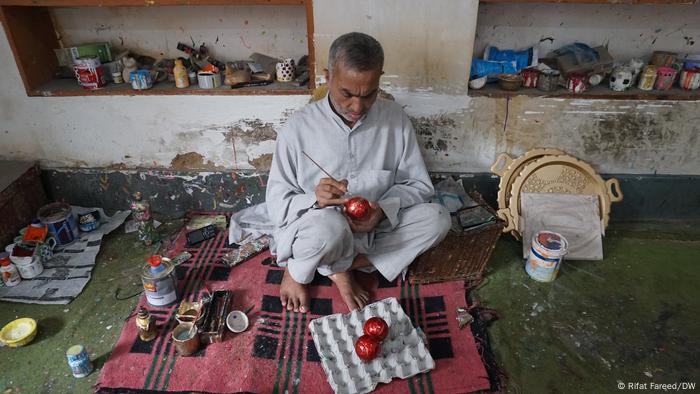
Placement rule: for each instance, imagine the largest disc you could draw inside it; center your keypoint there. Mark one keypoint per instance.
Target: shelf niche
(231, 30)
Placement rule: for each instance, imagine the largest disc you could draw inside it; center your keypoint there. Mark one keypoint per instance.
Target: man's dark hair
(357, 51)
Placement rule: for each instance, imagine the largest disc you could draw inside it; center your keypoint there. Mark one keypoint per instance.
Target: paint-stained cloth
(68, 271)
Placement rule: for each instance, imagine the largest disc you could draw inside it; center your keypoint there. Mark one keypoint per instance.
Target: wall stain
(262, 162)
(434, 132)
(623, 134)
(191, 161)
(250, 131)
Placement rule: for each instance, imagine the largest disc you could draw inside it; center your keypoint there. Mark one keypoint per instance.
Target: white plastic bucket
(546, 254)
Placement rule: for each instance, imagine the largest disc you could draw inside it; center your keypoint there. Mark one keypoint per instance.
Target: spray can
(159, 281)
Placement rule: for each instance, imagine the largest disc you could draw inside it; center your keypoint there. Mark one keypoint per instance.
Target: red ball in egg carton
(367, 348)
(357, 208)
(377, 328)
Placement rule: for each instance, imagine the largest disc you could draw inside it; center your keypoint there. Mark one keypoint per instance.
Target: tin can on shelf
(79, 361)
(548, 80)
(647, 78)
(690, 79)
(576, 83)
(141, 80)
(89, 72)
(530, 77)
(664, 78)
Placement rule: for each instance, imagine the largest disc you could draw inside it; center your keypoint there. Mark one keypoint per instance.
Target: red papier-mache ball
(367, 348)
(376, 327)
(357, 208)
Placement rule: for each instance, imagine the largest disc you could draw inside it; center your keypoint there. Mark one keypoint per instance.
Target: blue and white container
(79, 361)
(61, 222)
(546, 254)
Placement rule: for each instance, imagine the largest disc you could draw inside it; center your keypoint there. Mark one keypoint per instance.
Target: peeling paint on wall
(250, 131)
(191, 161)
(434, 130)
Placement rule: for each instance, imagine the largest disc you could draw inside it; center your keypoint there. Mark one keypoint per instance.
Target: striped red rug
(276, 354)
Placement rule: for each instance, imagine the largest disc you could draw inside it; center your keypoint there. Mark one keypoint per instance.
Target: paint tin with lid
(89, 72)
(79, 361)
(61, 222)
(647, 78)
(664, 78)
(548, 80)
(159, 281)
(546, 254)
(10, 275)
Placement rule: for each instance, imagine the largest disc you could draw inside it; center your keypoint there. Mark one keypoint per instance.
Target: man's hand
(374, 216)
(330, 192)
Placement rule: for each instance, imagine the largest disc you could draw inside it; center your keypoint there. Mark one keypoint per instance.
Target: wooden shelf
(596, 92)
(31, 33)
(69, 87)
(142, 3)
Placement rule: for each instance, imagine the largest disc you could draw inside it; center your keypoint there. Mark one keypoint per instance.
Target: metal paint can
(159, 281)
(79, 361)
(89, 72)
(664, 78)
(662, 59)
(60, 221)
(548, 80)
(647, 78)
(117, 77)
(10, 275)
(690, 79)
(546, 254)
(530, 77)
(186, 339)
(140, 80)
(576, 83)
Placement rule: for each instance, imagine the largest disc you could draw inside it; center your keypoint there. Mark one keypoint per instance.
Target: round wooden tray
(560, 174)
(507, 168)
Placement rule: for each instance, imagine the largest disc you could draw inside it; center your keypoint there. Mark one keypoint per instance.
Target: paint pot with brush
(186, 339)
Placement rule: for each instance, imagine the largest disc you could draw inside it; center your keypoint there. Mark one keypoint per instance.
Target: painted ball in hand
(367, 348)
(357, 208)
(377, 328)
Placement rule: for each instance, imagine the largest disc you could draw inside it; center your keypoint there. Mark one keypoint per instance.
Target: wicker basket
(460, 255)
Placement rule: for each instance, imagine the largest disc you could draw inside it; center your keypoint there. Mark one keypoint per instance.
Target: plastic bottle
(10, 275)
(182, 80)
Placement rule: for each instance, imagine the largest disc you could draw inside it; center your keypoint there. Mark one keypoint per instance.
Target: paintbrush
(319, 166)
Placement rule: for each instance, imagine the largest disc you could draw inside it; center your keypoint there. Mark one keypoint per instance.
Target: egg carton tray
(403, 352)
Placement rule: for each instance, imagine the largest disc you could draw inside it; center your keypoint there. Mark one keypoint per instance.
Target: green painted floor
(628, 319)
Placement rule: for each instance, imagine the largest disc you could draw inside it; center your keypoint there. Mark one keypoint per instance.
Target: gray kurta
(382, 162)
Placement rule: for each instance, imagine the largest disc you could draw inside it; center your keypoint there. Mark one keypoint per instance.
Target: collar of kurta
(328, 107)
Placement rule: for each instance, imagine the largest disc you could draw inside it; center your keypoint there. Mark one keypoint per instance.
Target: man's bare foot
(353, 294)
(293, 294)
